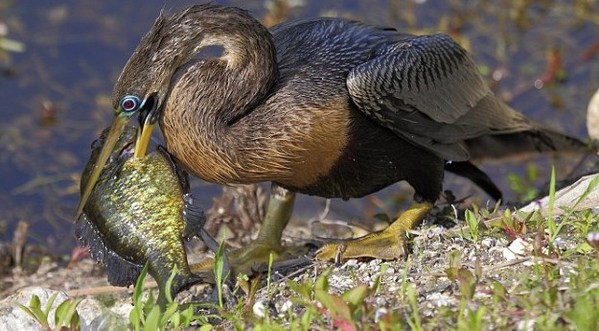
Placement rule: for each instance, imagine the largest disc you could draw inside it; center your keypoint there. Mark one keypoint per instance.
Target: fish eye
(130, 103)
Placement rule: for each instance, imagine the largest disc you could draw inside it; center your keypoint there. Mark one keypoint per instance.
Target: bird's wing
(428, 90)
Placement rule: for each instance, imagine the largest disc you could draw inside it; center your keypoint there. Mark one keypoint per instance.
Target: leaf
(152, 319)
(551, 195)
(219, 266)
(136, 315)
(467, 283)
(584, 248)
(594, 182)
(499, 291)
(169, 313)
(304, 291)
(33, 315)
(168, 287)
(34, 302)
(66, 313)
(322, 282)
(36, 311)
(49, 303)
(336, 306)
(356, 295)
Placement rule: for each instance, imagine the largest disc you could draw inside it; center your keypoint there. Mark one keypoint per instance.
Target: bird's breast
(295, 146)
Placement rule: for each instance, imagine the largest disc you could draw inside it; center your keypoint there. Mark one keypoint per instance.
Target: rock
(95, 316)
(593, 116)
(259, 309)
(438, 299)
(568, 198)
(487, 242)
(517, 249)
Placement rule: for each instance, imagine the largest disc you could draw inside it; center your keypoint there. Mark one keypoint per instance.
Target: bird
(329, 107)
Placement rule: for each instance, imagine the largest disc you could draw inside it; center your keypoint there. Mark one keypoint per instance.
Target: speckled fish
(139, 211)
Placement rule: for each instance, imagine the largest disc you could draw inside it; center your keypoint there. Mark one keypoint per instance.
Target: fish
(140, 211)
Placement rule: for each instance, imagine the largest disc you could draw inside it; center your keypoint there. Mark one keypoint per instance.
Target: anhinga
(327, 107)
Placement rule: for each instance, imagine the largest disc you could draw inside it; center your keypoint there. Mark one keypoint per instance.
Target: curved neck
(228, 87)
(207, 98)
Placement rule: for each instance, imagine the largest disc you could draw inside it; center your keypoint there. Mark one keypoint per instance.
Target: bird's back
(316, 55)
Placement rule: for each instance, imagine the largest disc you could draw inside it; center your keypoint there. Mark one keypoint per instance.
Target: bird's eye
(130, 103)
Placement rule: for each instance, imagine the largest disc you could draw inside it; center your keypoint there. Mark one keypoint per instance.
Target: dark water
(76, 49)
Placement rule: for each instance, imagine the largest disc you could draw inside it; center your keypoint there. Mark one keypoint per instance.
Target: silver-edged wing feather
(428, 90)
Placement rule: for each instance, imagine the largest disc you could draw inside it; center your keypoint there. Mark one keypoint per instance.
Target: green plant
(473, 221)
(65, 315)
(415, 321)
(553, 227)
(219, 273)
(470, 319)
(148, 316)
(524, 186)
(465, 279)
(345, 309)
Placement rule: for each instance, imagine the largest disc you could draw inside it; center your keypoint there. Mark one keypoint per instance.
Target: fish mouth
(116, 130)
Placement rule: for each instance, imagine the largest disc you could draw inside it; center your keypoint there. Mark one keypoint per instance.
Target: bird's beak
(144, 133)
(116, 129)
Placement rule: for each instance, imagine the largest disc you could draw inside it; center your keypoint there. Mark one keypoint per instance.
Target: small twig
(506, 264)
(19, 240)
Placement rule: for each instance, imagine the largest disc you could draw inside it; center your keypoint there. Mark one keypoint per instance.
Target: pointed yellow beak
(117, 128)
(143, 137)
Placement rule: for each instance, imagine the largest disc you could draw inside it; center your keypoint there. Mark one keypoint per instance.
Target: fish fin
(120, 272)
(194, 216)
(183, 282)
(194, 223)
(180, 282)
(195, 220)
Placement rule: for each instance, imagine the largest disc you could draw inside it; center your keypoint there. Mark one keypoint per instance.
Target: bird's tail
(524, 143)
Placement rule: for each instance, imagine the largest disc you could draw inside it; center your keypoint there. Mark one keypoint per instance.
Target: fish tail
(181, 281)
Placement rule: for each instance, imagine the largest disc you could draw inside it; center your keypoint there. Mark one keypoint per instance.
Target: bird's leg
(388, 244)
(257, 253)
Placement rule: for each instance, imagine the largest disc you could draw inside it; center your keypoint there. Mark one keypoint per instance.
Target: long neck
(209, 97)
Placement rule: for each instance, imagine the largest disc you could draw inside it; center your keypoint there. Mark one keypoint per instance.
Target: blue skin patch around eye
(130, 103)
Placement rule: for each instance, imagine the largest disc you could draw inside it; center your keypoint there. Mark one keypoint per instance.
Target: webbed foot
(388, 244)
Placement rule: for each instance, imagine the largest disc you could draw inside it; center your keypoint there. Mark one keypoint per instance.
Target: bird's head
(172, 42)
(144, 84)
